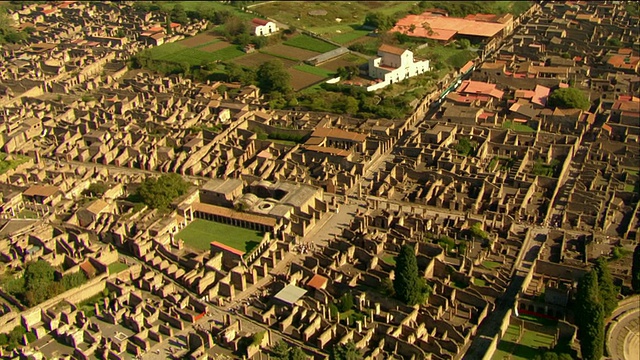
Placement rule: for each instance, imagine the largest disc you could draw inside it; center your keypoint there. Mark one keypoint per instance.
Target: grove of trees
(159, 193)
(38, 283)
(273, 76)
(282, 351)
(409, 286)
(346, 351)
(568, 98)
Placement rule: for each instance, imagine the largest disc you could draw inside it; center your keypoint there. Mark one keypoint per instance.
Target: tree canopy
(591, 327)
(635, 270)
(179, 15)
(379, 21)
(608, 291)
(273, 76)
(346, 351)
(159, 193)
(568, 98)
(409, 286)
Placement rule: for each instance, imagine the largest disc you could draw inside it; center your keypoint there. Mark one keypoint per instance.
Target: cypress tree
(590, 317)
(608, 291)
(408, 284)
(635, 270)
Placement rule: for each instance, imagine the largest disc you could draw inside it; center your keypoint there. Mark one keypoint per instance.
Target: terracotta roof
(260, 21)
(227, 248)
(437, 27)
(317, 282)
(339, 134)
(40, 190)
(88, 268)
(624, 61)
(391, 49)
(478, 87)
(232, 214)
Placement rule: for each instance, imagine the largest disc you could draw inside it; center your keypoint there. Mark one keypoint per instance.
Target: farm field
(200, 233)
(308, 43)
(291, 52)
(343, 61)
(201, 48)
(255, 59)
(301, 79)
(203, 6)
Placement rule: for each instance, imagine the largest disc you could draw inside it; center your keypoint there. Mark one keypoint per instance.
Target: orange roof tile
(391, 49)
(227, 248)
(317, 282)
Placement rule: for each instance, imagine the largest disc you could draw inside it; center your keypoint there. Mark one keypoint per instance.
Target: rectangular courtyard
(200, 233)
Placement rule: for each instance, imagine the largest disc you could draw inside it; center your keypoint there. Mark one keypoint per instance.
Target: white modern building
(262, 27)
(394, 65)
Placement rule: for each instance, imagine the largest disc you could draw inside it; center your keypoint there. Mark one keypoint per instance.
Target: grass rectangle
(310, 43)
(200, 233)
(117, 267)
(518, 127)
(314, 70)
(514, 347)
(490, 264)
(349, 36)
(177, 53)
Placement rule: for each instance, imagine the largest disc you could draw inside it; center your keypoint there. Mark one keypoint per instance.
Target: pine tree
(590, 317)
(608, 291)
(408, 284)
(635, 270)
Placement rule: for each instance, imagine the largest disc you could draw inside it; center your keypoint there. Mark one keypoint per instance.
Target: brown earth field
(199, 40)
(215, 46)
(291, 52)
(255, 59)
(301, 79)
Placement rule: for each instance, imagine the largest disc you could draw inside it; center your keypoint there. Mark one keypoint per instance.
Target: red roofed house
(261, 27)
(625, 63)
(318, 282)
(394, 65)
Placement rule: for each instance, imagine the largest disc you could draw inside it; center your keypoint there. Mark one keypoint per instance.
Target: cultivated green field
(308, 43)
(203, 6)
(178, 53)
(200, 233)
(314, 70)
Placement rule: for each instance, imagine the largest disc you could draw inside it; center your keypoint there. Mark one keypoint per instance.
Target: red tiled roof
(227, 248)
(391, 49)
(478, 87)
(232, 214)
(260, 21)
(317, 281)
(624, 61)
(444, 28)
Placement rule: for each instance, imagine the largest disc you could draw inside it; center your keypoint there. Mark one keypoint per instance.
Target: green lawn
(527, 347)
(177, 53)
(117, 267)
(479, 282)
(448, 56)
(490, 264)
(517, 127)
(27, 214)
(350, 36)
(309, 43)
(6, 165)
(389, 259)
(314, 70)
(200, 233)
(284, 142)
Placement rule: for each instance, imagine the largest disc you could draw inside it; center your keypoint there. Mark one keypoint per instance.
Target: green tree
(635, 270)
(608, 291)
(408, 284)
(159, 193)
(591, 327)
(273, 76)
(280, 351)
(477, 232)
(568, 98)
(379, 21)
(297, 354)
(38, 276)
(346, 351)
(179, 15)
(96, 189)
(346, 302)
(73, 280)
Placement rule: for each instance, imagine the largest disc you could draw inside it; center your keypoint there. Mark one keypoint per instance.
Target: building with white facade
(394, 65)
(261, 27)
